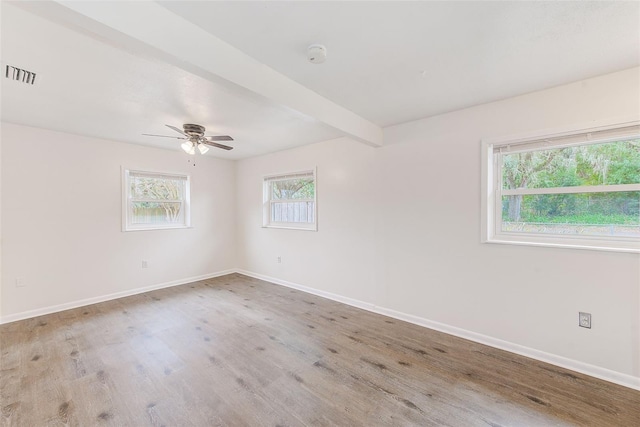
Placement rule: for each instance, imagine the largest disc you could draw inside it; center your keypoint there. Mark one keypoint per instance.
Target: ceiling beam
(158, 32)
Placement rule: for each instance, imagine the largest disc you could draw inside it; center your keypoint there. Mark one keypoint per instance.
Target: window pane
(156, 188)
(597, 164)
(157, 213)
(298, 212)
(302, 188)
(588, 214)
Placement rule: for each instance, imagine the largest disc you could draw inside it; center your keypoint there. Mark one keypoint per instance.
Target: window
(577, 189)
(289, 201)
(155, 200)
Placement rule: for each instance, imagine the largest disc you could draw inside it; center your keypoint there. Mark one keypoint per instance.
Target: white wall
(340, 258)
(61, 220)
(399, 227)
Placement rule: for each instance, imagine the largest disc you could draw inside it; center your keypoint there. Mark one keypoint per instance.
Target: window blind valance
(141, 174)
(295, 175)
(589, 136)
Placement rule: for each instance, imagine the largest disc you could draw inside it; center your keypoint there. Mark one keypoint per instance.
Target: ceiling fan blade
(164, 136)
(219, 138)
(177, 130)
(213, 144)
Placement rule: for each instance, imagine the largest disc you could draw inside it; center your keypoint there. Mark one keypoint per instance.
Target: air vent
(20, 75)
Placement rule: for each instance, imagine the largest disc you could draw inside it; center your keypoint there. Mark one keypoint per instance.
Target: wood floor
(236, 351)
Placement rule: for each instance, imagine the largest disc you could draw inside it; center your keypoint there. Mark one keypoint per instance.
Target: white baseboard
(563, 362)
(88, 301)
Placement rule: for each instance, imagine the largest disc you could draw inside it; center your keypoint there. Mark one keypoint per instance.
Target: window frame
(267, 201)
(492, 192)
(127, 225)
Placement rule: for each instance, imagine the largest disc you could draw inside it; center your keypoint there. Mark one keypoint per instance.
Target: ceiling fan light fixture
(202, 148)
(188, 147)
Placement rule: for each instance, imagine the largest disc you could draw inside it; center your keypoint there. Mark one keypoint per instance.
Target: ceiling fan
(193, 136)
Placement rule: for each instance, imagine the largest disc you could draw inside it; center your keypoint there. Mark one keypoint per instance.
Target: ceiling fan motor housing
(193, 130)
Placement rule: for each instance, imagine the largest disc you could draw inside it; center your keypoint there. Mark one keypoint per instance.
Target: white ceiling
(388, 62)
(88, 87)
(471, 52)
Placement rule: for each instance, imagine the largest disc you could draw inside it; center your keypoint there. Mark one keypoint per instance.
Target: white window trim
(266, 203)
(126, 227)
(491, 194)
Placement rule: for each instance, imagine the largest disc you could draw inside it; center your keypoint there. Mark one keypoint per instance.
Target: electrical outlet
(279, 260)
(145, 263)
(584, 320)
(19, 282)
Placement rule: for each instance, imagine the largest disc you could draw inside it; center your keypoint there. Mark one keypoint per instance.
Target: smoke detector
(316, 53)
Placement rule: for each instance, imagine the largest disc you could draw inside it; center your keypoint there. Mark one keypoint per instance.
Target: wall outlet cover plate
(584, 320)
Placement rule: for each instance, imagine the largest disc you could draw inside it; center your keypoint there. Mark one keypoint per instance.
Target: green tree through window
(611, 163)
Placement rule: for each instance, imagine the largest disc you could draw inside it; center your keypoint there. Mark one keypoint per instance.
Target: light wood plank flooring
(236, 351)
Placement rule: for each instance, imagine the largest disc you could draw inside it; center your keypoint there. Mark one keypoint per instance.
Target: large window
(155, 200)
(289, 200)
(579, 189)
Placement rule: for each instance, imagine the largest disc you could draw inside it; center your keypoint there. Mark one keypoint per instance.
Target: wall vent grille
(20, 75)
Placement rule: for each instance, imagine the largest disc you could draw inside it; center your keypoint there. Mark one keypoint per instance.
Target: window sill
(582, 244)
(290, 227)
(156, 228)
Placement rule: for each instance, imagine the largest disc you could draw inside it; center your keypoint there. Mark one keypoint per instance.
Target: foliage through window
(582, 189)
(155, 200)
(290, 200)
